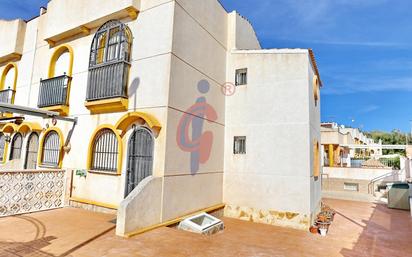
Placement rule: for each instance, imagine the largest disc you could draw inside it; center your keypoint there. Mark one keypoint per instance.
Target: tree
(395, 137)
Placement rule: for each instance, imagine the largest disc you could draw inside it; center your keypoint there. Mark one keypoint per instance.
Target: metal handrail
(54, 91)
(97, 66)
(6, 95)
(371, 184)
(108, 80)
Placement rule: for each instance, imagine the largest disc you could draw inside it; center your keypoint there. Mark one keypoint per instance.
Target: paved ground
(51, 233)
(359, 229)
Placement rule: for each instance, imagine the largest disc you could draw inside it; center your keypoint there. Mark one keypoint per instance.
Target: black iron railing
(53, 91)
(108, 81)
(6, 96)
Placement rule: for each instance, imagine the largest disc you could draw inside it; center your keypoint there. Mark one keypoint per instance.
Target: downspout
(32, 66)
(67, 146)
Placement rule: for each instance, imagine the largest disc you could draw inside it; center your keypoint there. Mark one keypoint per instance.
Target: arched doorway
(31, 151)
(139, 157)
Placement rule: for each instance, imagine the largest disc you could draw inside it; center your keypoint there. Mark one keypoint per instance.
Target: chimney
(43, 10)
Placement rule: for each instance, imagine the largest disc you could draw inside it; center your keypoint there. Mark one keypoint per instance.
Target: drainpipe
(32, 65)
(67, 145)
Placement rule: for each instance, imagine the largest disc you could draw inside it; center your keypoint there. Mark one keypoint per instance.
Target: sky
(363, 50)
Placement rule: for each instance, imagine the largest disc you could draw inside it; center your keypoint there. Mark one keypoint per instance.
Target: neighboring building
(277, 112)
(138, 75)
(351, 166)
(338, 145)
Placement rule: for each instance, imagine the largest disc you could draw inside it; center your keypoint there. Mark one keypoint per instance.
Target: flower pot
(323, 231)
(314, 229)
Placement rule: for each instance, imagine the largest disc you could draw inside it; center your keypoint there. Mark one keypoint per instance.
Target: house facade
(340, 145)
(178, 110)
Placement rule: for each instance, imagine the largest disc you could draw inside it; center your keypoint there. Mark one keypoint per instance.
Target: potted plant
(323, 217)
(314, 229)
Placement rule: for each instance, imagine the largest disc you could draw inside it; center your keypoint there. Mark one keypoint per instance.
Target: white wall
(241, 33)
(198, 54)
(355, 173)
(275, 114)
(12, 39)
(315, 135)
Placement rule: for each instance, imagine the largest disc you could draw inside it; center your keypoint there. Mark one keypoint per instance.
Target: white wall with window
(241, 77)
(239, 145)
(276, 113)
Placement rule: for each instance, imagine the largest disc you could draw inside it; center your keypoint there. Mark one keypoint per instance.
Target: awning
(12, 108)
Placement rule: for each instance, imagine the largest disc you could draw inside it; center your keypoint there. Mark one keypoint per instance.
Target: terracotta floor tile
(359, 229)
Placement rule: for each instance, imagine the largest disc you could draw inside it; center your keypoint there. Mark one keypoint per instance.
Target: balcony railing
(6, 96)
(108, 81)
(53, 91)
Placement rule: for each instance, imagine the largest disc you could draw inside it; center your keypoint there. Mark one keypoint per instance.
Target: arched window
(61, 62)
(2, 146)
(112, 42)
(51, 149)
(31, 151)
(16, 144)
(8, 83)
(109, 66)
(54, 91)
(9, 79)
(105, 151)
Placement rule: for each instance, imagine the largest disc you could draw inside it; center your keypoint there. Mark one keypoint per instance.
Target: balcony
(12, 40)
(6, 96)
(53, 95)
(88, 15)
(107, 87)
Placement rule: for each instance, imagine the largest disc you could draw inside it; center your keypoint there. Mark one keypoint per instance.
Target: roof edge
(315, 66)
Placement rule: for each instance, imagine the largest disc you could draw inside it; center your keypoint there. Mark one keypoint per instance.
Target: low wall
(338, 184)
(31, 190)
(355, 183)
(141, 208)
(355, 173)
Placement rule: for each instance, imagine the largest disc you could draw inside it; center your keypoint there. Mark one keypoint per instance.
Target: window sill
(118, 104)
(48, 167)
(116, 174)
(61, 109)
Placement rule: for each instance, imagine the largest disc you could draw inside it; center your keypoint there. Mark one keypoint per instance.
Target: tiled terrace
(359, 229)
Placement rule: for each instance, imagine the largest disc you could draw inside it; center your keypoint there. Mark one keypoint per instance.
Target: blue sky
(363, 49)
